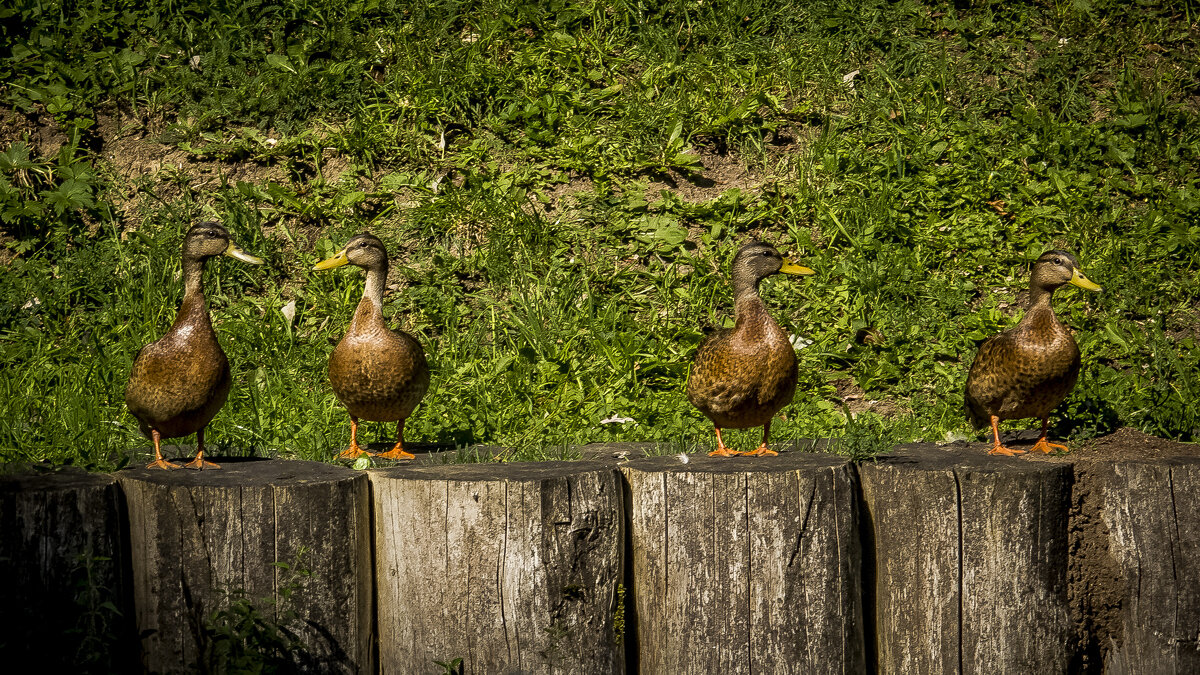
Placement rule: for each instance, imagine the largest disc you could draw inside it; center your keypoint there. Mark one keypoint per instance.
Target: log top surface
(26, 479)
(1123, 446)
(245, 472)
(785, 461)
(951, 456)
(495, 471)
(612, 452)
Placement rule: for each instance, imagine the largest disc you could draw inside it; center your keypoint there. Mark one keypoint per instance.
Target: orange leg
(722, 449)
(999, 449)
(159, 462)
(1044, 445)
(763, 450)
(354, 451)
(199, 462)
(397, 451)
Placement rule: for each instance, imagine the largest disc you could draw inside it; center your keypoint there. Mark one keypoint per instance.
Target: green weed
(100, 620)
(562, 186)
(255, 634)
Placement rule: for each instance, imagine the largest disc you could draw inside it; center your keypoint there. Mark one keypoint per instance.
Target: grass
(562, 185)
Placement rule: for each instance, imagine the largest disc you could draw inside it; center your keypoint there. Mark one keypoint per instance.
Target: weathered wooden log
(1152, 510)
(746, 564)
(509, 567)
(65, 590)
(969, 557)
(208, 549)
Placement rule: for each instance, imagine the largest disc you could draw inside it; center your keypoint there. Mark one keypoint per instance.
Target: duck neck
(370, 308)
(749, 310)
(744, 282)
(193, 310)
(1040, 307)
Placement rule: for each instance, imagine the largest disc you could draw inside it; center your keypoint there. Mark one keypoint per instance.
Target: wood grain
(196, 536)
(62, 557)
(746, 565)
(970, 562)
(1154, 525)
(510, 567)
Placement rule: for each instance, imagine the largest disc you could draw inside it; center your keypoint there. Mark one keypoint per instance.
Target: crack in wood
(959, 520)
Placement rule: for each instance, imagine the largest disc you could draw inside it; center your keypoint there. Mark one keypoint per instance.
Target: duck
(741, 376)
(1028, 370)
(377, 373)
(179, 382)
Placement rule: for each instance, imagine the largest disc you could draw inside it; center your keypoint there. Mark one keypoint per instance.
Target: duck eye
(1058, 261)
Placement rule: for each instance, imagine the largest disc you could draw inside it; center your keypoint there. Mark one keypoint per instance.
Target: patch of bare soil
(1184, 324)
(39, 130)
(564, 196)
(856, 400)
(136, 156)
(129, 148)
(720, 173)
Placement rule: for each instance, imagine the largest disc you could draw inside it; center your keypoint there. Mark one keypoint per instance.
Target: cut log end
(746, 563)
(524, 560)
(287, 541)
(62, 559)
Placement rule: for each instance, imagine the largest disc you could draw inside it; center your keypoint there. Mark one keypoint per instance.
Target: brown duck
(1029, 369)
(179, 382)
(379, 374)
(742, 376)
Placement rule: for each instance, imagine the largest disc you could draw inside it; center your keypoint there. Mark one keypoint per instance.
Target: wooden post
(1152, 509)
(746, 564)
(970, 561)
(509, 567)
(199, 536)
(65, 590)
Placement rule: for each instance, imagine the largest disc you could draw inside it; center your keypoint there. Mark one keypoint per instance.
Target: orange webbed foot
(724, 451)
(396, 452)
(1047, 447)
(161, 464)
(1001, 450)
(761, 451)
(200, 463)
(353, 452)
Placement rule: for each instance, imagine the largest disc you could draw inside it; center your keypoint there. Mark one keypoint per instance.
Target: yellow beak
(337, 260)
(790, 267)
(1077, 279)
(234, 252)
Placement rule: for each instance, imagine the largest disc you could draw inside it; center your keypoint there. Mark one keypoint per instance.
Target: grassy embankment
(562, 186)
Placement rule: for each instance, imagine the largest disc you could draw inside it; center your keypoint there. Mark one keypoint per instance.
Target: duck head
(1054, 269)
(757, 261)
(211, 239)
(363, 250)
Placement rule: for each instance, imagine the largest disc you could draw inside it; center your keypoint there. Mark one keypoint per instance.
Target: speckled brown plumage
(180, 381)
(742, 376)
(1028, 370)
(379, 374)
